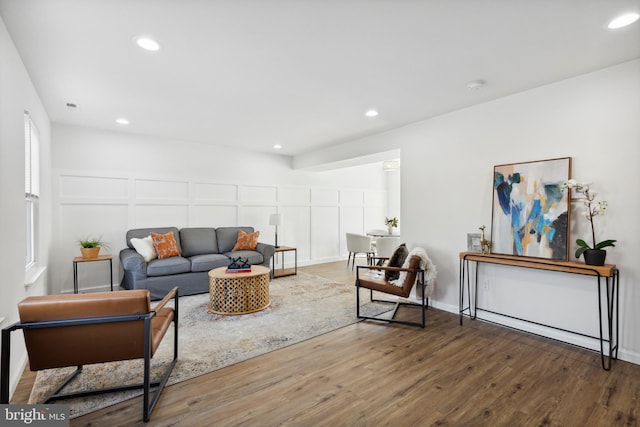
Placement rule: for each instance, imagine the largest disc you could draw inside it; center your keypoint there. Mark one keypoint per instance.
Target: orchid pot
(594, 254)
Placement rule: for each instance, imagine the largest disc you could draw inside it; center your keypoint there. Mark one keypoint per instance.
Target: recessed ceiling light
(371, 113)
(475, 84)
(122, 121)
(147, 43)
(623, 21)
(277, 146)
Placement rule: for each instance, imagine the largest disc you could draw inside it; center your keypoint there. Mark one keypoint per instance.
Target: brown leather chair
(414, 275)
(82, 329)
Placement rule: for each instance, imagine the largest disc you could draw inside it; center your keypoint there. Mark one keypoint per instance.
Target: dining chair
(385, 246)
(358, 244)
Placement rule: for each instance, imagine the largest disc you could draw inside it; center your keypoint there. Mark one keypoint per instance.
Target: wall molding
(108, 203)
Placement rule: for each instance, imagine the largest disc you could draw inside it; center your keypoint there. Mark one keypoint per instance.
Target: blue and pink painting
(531, 209)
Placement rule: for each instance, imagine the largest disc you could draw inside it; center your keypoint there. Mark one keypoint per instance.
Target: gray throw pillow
(396, 260)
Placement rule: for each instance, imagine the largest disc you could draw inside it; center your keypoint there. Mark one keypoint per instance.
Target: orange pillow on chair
(246, 241)
(165, 245)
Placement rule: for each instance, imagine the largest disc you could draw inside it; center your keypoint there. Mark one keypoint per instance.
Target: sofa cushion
(228, 236)
(252, 256)
(208, 262)
(198, 241)
(246, 241)
(145, 248)
(144, 232)
(167, 266)
(165, 245)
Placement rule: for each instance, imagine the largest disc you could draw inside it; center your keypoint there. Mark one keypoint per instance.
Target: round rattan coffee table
(239, 293)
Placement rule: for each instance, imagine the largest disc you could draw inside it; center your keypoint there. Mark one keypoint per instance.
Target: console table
(608, 272)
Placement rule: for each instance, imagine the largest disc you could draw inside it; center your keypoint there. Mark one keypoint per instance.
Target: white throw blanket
(430, 271)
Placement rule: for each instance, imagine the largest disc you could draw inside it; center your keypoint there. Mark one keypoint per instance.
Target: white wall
(394, 199)
(107, 182)
(447, 165)
(18, 95)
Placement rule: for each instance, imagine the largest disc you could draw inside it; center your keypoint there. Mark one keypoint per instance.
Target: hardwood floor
(376, 374)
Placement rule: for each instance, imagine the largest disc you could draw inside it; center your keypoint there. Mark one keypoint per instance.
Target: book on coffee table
(239, 269)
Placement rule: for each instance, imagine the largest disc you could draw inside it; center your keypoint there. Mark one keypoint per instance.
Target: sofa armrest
(133, 263)
(267, 252)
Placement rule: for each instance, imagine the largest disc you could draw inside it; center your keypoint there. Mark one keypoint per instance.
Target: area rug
(302, 307)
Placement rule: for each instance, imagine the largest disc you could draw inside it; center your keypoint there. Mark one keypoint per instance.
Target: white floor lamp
(276, 220)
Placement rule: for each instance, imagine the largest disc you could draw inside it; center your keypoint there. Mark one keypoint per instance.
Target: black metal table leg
(111, 273)
(616, 285)
(612, 320)
(75, 277)
(475, 296)
(461, 290)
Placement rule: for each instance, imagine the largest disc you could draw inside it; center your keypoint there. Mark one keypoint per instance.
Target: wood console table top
(575, 267)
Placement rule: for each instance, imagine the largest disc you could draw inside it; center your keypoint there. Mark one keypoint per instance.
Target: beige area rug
(302, 307)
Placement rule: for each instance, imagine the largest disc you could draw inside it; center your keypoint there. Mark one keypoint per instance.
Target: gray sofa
(201, 249)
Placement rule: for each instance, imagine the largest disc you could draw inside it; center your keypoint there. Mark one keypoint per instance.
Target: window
(31, 187)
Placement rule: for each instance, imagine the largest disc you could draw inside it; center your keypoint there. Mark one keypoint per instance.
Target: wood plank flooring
(376, 374)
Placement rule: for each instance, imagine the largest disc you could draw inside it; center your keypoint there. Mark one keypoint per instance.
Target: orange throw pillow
(165, 245)
(246, 241)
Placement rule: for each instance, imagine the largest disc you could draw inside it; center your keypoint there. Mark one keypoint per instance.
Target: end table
(284, 271)
(78, 259)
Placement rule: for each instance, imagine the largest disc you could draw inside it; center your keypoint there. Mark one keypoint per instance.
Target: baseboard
(444, 307)
(629, 356)
(531, 328)
(566, 337)
(544, 331)
(16, 375)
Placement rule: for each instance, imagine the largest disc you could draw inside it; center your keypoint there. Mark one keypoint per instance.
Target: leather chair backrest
(84, 344)
(414, 263)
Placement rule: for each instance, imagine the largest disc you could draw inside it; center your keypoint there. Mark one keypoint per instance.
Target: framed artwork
(531, 211)
(473, 242)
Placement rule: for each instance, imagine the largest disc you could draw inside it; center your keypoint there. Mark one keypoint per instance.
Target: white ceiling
(301, 73)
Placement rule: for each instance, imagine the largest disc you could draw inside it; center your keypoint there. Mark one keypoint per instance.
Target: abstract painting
(530, 209)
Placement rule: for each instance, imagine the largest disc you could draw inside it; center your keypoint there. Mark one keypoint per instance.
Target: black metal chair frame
(420, 282)
(147, 385)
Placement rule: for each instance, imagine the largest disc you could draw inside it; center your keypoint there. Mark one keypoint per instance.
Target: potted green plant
(391, 223)
(90, 247)
(593, 254)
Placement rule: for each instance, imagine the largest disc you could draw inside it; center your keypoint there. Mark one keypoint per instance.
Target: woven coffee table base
(238, 293)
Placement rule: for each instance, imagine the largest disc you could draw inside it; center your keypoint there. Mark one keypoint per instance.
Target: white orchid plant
(592, 209)
(391, 222)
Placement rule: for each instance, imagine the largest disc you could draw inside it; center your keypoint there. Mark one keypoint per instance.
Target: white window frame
(31, 188)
